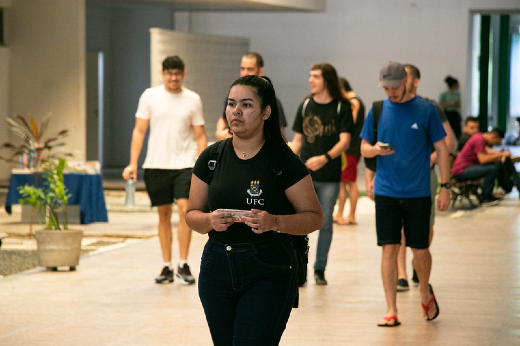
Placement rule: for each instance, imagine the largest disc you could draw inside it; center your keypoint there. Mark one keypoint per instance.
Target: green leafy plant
(50, 199)
(34, 144)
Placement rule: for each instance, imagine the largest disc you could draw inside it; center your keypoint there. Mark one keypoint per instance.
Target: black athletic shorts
(166, 185)
(394, 213)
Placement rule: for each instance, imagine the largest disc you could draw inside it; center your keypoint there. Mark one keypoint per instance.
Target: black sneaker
(166, 275)
(415, 278)
(490, 202)
(184, 274)
(319, 276)
(402, 285)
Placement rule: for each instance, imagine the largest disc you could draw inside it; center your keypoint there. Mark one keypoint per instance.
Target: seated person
(469, 129)
(477, 160)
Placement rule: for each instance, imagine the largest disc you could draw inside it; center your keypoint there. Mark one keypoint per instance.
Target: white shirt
(172, 116)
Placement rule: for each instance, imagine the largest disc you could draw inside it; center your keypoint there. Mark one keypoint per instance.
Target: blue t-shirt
(410, 128)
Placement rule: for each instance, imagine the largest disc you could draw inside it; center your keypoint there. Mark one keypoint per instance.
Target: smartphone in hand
(385, 146)
(236, 214)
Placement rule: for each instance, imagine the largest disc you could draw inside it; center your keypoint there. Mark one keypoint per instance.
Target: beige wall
(46, 40)
(4, 106)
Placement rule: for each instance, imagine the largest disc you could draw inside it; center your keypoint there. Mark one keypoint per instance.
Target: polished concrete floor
(112, 298)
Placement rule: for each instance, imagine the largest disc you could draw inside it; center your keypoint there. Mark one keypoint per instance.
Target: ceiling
(225, 5)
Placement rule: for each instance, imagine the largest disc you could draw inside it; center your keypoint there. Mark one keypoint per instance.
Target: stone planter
(58, 248)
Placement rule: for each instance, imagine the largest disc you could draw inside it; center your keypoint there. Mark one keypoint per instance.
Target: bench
(463, 190)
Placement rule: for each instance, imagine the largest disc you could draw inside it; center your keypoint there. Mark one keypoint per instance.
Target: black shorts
(166, 185)
(412, 213)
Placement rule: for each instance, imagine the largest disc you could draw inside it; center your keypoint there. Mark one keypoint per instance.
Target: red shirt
(468, 155)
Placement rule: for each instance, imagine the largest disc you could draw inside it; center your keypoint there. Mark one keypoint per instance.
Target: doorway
(95, 106)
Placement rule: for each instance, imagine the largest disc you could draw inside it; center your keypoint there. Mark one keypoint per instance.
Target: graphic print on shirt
(254, 191)
(313, 127)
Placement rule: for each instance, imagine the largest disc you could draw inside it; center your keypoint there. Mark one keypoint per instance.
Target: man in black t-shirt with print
(323, 127)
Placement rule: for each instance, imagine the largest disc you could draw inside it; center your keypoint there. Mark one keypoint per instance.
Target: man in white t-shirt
(174, 114)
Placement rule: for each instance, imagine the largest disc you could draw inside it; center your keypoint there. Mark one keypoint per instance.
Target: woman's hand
(220, 221)
(261, 221)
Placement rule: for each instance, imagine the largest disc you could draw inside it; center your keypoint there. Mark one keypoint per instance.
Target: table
(86, 190)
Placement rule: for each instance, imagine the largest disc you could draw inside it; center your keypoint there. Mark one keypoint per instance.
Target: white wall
(47, 64)
(357, 37)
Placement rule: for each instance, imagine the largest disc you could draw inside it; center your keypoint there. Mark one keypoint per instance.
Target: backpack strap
(377, 106)
(214, 155)
(276, 166)
(305, 103)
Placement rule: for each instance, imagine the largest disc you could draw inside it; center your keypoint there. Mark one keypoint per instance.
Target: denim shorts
(248, 290)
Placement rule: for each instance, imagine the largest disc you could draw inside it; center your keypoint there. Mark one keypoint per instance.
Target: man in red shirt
(477, 160)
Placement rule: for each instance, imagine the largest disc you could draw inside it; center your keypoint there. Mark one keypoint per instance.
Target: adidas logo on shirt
(414, 126)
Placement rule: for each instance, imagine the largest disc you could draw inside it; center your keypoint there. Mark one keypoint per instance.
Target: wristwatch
(446, 185)
(327, 156)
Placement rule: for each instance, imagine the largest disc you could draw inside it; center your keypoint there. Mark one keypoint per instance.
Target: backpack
(301, 242)
(307, 102)
(505, 170)
(377, 106)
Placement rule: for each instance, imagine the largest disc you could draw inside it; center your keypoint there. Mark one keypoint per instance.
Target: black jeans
(248, 290)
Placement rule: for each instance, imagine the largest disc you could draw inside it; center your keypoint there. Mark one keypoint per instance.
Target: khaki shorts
(434, 184)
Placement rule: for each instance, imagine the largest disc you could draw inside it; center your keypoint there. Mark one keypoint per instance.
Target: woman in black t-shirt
(247, 281)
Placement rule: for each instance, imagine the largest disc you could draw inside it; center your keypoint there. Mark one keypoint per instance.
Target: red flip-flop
(431, 303)
(388, 319)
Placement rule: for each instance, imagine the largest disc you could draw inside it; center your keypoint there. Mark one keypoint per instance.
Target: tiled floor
(112, 299)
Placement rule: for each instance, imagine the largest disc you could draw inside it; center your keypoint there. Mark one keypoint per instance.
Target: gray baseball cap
(391, 75)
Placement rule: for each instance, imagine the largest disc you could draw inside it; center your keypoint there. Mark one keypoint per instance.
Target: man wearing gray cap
(407, 128)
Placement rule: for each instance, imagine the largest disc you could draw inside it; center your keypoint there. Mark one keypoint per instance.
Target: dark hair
(331, 79)
(173, 63)
(263, 88)
(345, 84)
(498, 132)
(414, 71)
(450, 81)
(470, 119)
(258, 57)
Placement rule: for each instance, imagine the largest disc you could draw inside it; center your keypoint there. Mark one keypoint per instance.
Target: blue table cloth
(85, 189)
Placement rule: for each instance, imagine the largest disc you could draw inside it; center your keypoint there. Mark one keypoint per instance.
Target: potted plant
(57, 246)
(35, 148)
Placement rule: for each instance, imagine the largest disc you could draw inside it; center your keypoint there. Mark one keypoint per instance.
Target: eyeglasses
(176, 73)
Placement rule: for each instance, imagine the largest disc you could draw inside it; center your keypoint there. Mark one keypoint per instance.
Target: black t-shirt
(247, 184)
(321, 127)
(355, 141)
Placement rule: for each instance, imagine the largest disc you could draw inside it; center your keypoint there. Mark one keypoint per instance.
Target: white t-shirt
(172, 116)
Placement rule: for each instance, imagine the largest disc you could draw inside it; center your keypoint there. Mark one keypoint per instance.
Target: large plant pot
(73, 214)
(58, 248)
